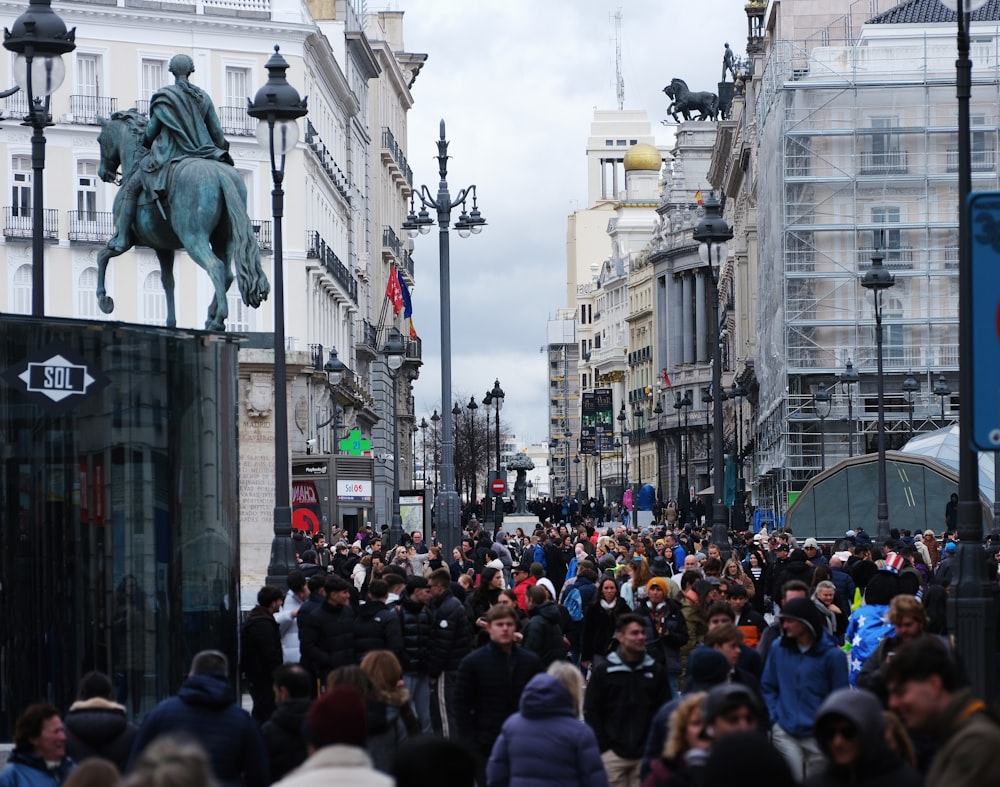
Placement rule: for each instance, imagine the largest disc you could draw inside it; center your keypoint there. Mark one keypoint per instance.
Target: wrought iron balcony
(91, 226)
(318, 249)
(17, 223)
(237, 122)
(262, 229)
(391, 153)
(85, 110)
(884, 162)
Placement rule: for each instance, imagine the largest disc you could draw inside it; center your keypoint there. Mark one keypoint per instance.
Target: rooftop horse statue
(684, 102)
(202, 210)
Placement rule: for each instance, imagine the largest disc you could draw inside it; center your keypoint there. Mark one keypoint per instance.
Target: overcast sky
(517, 83)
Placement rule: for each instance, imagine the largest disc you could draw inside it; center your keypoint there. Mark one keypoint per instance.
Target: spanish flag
(697, 196)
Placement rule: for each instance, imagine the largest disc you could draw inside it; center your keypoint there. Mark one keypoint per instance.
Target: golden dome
(643, 157)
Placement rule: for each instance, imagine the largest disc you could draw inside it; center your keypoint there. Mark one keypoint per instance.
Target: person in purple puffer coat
(546, 744)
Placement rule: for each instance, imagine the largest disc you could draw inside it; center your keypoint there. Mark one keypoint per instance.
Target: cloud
(517, 83)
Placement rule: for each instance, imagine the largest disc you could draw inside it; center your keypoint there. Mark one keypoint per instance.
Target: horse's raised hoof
(106, 303)
(215, 325)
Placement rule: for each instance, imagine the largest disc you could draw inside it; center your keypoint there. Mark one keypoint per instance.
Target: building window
(86, 190)
(887, 238)
(20, 169)
(154, 76)
(239, 314)
(85, 103)
(154, 303)
(86, 294)
(20, 291)
(233, 113)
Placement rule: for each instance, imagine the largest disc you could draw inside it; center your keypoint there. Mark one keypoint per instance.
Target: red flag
(697, 197)
(393, 292)
(666, 378)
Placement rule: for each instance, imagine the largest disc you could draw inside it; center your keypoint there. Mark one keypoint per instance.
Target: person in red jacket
(522, 581)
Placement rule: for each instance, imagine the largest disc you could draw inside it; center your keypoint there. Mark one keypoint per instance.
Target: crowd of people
(572, 655)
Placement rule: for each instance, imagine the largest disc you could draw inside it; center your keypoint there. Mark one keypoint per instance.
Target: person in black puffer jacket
(96, 726)
(327, 635)
(260, 650)
(377, 627)
(286, 746)
(490, 681)
(543, 634)
(447, 645)
(415, 617)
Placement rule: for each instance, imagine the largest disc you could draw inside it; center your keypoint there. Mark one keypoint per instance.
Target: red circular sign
(498, 486)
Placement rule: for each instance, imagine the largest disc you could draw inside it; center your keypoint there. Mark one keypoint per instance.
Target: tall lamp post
(423, 444)
(456, 411)
(39, 39)
(448, 505)
(335, 370)
(970, 605)
(910, 387)
(488, 499)
(472, 407)
(877, 279)
(739, 393)
(496, 396)
(276, 107)
(620, 448)
(658, 411)
(822, 405)
(942, 390)
(394, 350)
(637, 418)
(848, 378)
(711, 234)
(435, 420)
(684, 404)
(621, 418)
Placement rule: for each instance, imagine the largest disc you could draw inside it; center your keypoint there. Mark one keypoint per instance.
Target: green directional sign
(354, 444)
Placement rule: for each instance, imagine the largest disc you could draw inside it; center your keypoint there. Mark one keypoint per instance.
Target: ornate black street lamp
(822, 405)
(942, 390)
(658, 411)
(910, 387)
(496, 396)
(684, 404)
(971, 617)
(423, 443)
(276, 107)
(447, 505)
(435, 420)
(637, 418)
(711, 234)
(456, 411)
(393, 352)
(877, 279)
(621, 418)
(472, 407)
(738, 392)
(335, 370)
(39, 39)
(848, 378)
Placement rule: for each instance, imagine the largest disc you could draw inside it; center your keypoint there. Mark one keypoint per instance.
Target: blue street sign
(984, 218)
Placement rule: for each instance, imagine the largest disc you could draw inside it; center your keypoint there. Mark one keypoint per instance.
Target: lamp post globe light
(970, 607)
(277, 107)
(39, 39)
(711, 234)
(447, 505)
(496, 396)
(848, 378)
(393, 351)
(910, 387)
(877, 279)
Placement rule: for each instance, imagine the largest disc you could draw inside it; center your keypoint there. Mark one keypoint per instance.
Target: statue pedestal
(527, 523)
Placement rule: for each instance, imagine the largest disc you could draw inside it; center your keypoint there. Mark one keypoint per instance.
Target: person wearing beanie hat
(335, 731)
(729, 708)
(666, 627)
(798, 675)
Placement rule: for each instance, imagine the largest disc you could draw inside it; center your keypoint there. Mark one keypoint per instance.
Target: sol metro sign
(55, 377)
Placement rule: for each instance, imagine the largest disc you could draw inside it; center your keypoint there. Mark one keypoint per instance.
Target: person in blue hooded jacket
(799, 674)
(205, 709)
(39, 757)
(545, 744)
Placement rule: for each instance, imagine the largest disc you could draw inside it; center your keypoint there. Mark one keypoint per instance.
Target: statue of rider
(182, 124)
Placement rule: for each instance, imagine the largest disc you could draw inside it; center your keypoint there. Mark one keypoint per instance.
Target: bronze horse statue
(206, 216)
(684, 102)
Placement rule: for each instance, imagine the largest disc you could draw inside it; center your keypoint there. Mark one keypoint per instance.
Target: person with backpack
(543, 634)
(576, 599)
